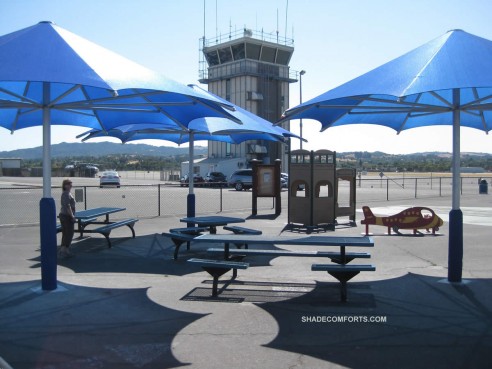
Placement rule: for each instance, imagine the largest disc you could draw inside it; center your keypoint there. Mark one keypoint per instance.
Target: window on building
(238, 51)
(212, 58)
(283, 57)
(253, 51)
(268, 54)
(225, 55)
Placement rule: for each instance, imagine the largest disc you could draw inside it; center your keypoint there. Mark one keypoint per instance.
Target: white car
(109, 178)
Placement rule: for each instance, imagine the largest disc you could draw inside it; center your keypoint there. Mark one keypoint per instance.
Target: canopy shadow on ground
(87, 327)
(237, 290)
(149, 254)
(429, 324)
(129, 255)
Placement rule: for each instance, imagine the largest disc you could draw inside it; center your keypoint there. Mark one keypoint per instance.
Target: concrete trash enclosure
(313, 189)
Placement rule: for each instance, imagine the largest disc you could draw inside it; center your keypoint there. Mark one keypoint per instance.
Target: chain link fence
(20, 205)
(390, 188)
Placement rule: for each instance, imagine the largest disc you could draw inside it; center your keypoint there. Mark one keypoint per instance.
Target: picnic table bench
(343, 273)
(106, 229)
(244, 231)
(340, 270)
(217, 268)
(88, 217)
(203, 224)
(212, 222)
(336, 257)
(182, 235)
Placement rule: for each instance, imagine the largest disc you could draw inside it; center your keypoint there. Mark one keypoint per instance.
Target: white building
(205, 165)
(10, 167)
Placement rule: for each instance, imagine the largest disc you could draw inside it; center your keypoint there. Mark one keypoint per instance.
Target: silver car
(241, 179)
(109, 178)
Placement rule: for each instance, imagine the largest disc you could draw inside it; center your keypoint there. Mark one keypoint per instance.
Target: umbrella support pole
(47, 207)
(455, 243)
(190, 208)
(47, 224)
(455, 251)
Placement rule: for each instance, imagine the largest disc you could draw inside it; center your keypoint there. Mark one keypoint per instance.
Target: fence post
(85, 197)
(387, 189)
(461, 185)
(159, 200)
(416, 179)
(440, 187)
(220, 199)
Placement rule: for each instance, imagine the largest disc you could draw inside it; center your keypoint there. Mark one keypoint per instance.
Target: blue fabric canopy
(88, 85)
(50, 76)
(250, 122)
(176, 137)
(415, 89)
(208, 128)
(447, 81)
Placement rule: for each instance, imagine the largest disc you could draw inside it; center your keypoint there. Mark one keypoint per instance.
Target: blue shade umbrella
(203, 129)
(176, 136)
(50, 76)
(447, 81)
(251, 124)
(210, 128)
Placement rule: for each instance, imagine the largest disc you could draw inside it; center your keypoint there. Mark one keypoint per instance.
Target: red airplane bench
(412, 218)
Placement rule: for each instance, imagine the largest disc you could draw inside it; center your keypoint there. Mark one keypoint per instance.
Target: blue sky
(335, 41)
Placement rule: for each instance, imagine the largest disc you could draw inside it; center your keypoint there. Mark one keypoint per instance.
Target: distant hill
(416, 155)
(147, 156)
(97, 149)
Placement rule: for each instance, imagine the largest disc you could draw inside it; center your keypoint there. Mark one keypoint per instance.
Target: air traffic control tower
(250, 69)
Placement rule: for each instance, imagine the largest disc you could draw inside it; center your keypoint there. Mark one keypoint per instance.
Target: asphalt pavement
(133, 306)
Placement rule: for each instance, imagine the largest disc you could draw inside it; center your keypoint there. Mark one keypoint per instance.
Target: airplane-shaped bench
(412, 218)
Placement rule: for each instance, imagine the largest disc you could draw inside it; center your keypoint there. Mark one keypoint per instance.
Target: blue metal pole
(190, 209)
(47, 208)
(455, 246)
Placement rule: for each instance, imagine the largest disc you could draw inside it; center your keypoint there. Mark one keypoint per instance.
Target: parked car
(284, 177)
(284, 180)
(215, 178)
(109, 178)
(197, 180)
(241, 179)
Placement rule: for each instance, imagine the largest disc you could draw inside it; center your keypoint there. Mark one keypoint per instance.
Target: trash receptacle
(483, 187)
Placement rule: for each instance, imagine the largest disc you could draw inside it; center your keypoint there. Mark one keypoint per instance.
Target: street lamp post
(301, 73)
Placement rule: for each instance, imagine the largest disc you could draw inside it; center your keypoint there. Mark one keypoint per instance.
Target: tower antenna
(277, 25)
(204, 7)
(286, 12)
(216, 26)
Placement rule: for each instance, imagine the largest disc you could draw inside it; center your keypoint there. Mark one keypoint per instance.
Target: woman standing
(67, 217)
